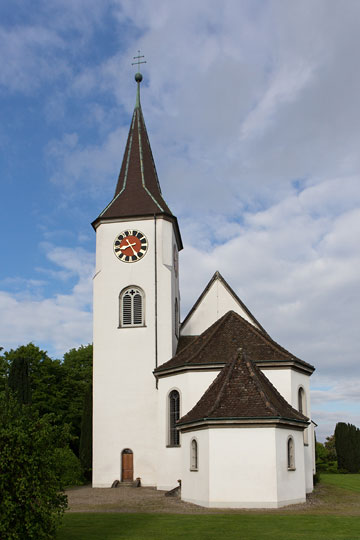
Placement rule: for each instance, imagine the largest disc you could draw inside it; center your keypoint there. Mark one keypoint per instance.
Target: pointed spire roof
(138, 192)
(242, 392)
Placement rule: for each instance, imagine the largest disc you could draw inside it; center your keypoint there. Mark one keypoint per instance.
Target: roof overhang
(167, 217)
(295, 364)
(252, 422)
(158, 372)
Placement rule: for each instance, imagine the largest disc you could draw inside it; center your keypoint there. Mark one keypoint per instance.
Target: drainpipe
(156, 300)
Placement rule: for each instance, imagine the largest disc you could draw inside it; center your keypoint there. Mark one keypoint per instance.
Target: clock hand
(129, 246)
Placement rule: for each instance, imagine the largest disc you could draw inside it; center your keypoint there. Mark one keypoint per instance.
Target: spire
(138, 192)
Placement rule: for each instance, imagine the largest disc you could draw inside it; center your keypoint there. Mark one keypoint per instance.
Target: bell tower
(136, 313)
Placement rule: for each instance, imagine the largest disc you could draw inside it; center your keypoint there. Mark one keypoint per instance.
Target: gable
(217, 299)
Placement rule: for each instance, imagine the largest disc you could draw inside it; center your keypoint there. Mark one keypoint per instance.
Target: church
(213, 404)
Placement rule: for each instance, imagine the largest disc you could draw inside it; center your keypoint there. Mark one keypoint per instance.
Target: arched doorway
(127, 465)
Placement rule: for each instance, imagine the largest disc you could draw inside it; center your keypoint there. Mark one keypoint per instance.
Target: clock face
(130, 246)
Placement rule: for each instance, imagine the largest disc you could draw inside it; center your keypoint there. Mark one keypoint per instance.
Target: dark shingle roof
(218, 344)
(241, 391)
(138, 191)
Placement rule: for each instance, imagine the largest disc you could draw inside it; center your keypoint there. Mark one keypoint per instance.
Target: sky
(252, 109)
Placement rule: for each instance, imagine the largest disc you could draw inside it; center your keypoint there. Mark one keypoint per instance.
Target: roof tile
(218, 344)
(241, 391)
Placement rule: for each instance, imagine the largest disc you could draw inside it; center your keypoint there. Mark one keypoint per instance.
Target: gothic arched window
(303, 409)
(132, 307)
(302, 401)
(194, 455)
(290, 454)
(174, 415)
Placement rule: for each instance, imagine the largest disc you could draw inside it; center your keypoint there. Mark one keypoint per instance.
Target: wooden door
(127, 467)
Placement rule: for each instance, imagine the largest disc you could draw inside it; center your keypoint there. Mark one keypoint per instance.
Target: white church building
(213, 401)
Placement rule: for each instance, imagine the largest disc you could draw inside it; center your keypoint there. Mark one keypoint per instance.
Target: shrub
(68, 467)
(31, 501)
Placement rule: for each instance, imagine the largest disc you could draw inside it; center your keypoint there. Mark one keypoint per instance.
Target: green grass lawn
(350, 482)
(216, 526)
(334, 515)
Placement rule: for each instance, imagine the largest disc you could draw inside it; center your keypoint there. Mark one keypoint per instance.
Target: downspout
(156, 300)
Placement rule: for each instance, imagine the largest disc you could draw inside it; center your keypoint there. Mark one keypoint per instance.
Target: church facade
(213, 402)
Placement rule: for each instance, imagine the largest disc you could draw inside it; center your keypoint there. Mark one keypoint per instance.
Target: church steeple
(138, 192)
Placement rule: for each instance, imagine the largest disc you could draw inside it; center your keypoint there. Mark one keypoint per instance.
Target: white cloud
(283, 89)
(59, 322)
(72, 163)
(28, 54)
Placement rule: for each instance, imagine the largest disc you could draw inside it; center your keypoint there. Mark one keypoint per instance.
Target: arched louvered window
(194, 455)
(174, 415)
(132, 307)
(291, 454)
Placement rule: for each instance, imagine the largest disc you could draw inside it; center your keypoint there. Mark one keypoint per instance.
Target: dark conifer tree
(347, 442)
(85, 450)
(19, 380)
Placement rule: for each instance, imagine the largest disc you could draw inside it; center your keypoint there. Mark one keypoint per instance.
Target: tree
(77, 366)
(44, 374)
(85, 450)
(31, 501)
(57, 387)
(347, 443)
(330, 447)
(325, 461)
(3, 371)
(19, 381)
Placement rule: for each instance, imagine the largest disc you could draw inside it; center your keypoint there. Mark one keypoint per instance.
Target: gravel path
(126, 498)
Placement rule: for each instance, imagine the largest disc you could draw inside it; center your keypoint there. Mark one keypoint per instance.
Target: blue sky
(253, 114)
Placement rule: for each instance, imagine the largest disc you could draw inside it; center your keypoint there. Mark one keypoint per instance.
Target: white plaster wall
(310, 468)
(291, 486)
(242, 463)
(125, 395)
(287, 382)
(191, 386)
(301, 380)
(241, 466)
(281, 379)
(195, 484)
(216, 302)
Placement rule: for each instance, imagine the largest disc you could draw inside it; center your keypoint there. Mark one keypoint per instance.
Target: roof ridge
(217, 276)
(152, 157)
(143, 181)
(230, 368)
(270, 385)
(128, 147)
(253, 375)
